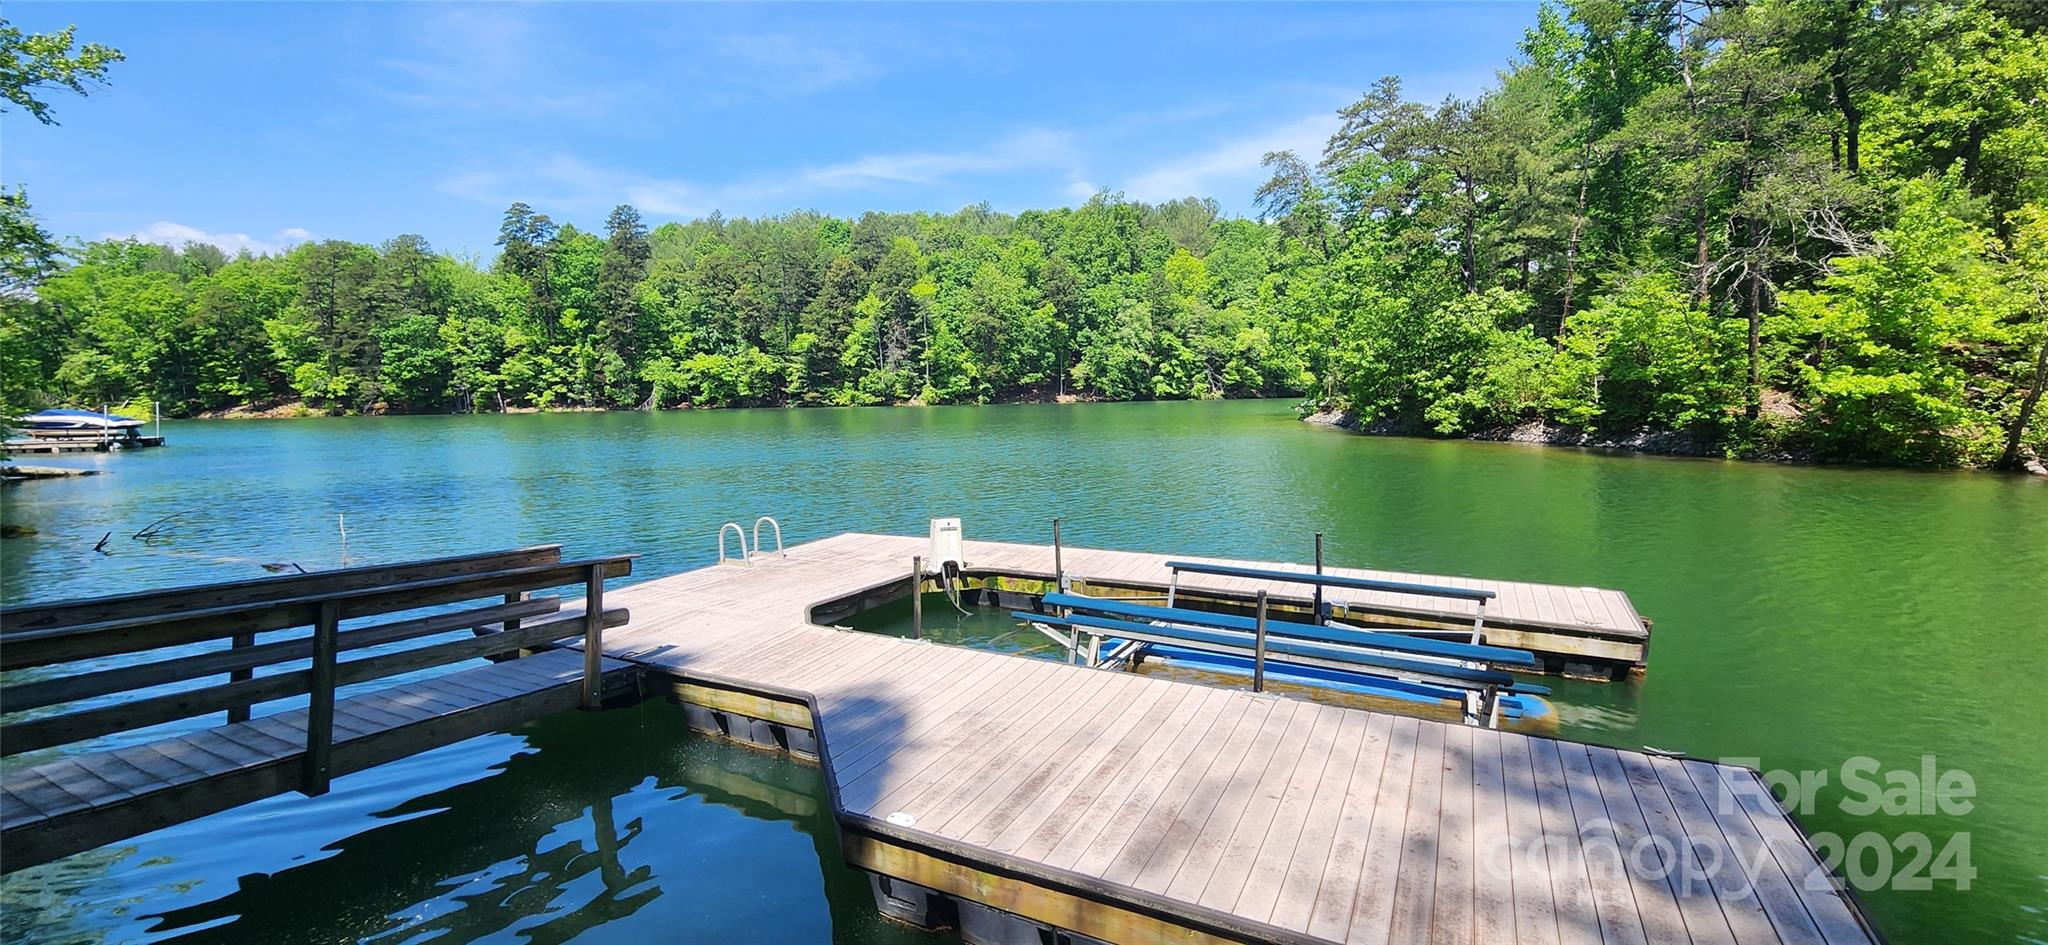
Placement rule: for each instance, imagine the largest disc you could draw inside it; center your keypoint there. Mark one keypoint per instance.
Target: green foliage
(1794, 223)
(971, 307)
(31, 63)
(1647, 356)
(1895, 335)
(1807, 225)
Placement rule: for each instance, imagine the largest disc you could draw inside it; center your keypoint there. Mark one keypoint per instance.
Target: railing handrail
(742, 536)
(19, 648)
(37, 615)
(81, 724)
(40, 693)
(757, 535)
(325, 674)
(1333, 580)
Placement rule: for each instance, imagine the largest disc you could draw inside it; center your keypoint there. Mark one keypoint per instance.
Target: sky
(259, 125)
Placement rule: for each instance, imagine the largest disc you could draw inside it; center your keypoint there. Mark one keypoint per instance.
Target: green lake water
(1804, 618)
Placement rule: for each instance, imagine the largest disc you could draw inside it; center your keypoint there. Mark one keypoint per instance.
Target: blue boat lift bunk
(1430, 670)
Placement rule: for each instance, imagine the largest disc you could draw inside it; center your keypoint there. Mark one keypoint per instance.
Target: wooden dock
(97, 793)
(1010, 796)
(52, 445)
(83, 801)
(1026, 793)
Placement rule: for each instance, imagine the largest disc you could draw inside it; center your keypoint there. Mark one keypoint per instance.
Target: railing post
(1319, 585)
(509, 625)
(320, 701)
(1259, 649)
(1059, 571)
(1478, 620)
(593, 638)
(240, 713)
(917, 595)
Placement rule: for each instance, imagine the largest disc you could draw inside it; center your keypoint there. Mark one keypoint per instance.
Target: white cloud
(570, 184)
(795, 64)
(566, 184)
(166, 233)
(1036, 148)
(486, 59)
(1231, 166)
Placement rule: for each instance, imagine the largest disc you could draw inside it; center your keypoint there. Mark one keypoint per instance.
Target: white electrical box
(946, 544)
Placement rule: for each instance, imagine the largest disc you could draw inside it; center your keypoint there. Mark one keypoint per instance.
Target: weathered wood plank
(1060, 848)
(1311, 859)
(1185, 804)
(1456, 854)
(1372, 910)
(1053, 815)
(1188, 853)
(1121, 827)
(1269, 870)
(1330, 913)
(1415, 887)
(1527, 860)
(1493, 903)
(1239, 845)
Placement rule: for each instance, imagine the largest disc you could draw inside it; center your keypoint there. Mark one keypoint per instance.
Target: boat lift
(1318, 653)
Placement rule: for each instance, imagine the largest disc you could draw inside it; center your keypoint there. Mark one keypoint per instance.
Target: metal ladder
(747, 556)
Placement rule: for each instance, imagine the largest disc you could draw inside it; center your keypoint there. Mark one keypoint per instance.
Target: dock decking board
(1346, 825)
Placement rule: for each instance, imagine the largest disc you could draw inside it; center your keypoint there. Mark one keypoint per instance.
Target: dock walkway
(83, 800)
(1134, 808)
(120, 666)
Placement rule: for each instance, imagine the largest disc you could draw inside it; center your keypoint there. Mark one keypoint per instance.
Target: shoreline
(1676, 443)
(1647, 442)
(299, 410)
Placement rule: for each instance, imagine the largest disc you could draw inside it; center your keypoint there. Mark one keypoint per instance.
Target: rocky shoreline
(1656, 442)
(1649, 441)
(292, 409)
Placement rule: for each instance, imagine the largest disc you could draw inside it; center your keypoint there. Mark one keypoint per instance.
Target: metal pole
(157, 406)
(1059, 573)
(917, 595)
(1259, 649)
(1319, 573)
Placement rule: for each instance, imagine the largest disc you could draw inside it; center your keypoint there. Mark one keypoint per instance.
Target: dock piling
(917, 595)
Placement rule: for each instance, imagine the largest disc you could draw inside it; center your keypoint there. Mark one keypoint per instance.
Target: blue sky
(267, 123)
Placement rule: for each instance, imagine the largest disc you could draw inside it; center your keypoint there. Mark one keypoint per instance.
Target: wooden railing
(43, 635)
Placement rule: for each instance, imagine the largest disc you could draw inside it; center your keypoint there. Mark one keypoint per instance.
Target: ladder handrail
(757, 535)
(736, 530)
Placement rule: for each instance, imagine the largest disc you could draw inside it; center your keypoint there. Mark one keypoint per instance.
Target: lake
(1804, 617)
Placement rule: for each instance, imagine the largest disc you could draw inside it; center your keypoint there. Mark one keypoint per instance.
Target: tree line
(1807, 226)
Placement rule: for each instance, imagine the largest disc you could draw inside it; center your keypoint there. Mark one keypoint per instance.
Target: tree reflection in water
(619, 826)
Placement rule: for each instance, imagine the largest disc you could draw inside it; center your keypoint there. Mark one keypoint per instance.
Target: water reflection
(571, 839)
